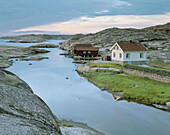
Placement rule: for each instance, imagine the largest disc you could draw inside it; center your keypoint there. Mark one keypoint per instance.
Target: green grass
(160, 68)
(133, 87)
(65, 125)
(106, 65)
(160, 64)
(59, 123)
(70, 126)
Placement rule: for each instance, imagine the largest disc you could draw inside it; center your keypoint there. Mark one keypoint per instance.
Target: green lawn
(133, 87)
(160, 64)
(106, 65)
(160, 68)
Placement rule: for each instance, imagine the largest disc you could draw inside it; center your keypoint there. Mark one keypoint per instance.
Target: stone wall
(117, 62)
(148, 75)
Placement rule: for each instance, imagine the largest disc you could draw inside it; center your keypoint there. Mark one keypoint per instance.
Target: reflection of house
(131, 53)
(86, 50)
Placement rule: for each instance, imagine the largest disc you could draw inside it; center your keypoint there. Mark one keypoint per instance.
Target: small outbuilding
(86, 50)
(129, 53)
(106, 58)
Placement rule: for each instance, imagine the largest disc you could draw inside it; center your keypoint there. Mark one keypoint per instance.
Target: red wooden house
(86, 50)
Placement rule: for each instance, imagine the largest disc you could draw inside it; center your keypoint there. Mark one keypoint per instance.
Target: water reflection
(77, 99)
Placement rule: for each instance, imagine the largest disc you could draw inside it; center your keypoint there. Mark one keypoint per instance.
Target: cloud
(122, 3)
(103, 11)
(93, 24)
(17, 14)
(20, 14)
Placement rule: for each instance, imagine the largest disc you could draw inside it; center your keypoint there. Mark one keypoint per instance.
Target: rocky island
(9, 52)
(32, 38)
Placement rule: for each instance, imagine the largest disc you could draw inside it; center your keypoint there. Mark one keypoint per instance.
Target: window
(127, 55)
(120, 55)
(141, 55)
(114, 55)
(84, 52)
(89, 52)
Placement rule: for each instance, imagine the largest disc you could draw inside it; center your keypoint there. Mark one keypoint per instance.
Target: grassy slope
(160, 68)
(141, 89)
(106, 65)
(160, 64)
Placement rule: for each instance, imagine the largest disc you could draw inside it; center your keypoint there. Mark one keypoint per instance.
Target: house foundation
(129, 62)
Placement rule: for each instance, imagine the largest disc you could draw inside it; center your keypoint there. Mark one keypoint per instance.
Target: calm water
(81, 101)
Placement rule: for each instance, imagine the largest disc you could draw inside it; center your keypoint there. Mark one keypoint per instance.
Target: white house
(131, 53)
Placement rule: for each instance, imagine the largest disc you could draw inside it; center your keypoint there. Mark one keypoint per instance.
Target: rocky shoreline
(7, 53)
(21, 111)
(76, 128)
(117, 96)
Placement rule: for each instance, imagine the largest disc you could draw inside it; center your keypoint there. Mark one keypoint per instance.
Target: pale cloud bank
(93, 24)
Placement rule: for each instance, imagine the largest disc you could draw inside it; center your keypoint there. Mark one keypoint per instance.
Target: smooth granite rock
(21, 111)
(168, 104)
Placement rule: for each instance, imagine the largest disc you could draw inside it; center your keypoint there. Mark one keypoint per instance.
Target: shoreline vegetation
(76, 127)
(132, 87)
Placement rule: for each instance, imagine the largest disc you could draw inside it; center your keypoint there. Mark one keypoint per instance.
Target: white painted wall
(135, 56)
(117, 52)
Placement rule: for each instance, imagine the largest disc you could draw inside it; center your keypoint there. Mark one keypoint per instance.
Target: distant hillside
(164, 29)
(106, 38)
(39, 37)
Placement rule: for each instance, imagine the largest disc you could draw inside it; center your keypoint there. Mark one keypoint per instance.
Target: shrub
(70, 126)
(64, 125)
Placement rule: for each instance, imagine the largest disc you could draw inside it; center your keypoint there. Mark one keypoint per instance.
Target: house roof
(131, 47)
(86, 48)
(83, 45)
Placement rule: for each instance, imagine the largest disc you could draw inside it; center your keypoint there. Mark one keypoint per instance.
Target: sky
(79, 16)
